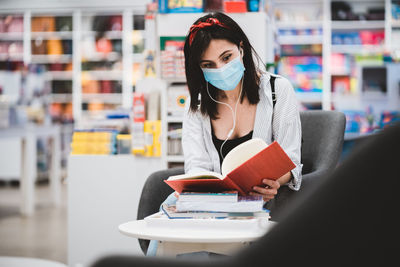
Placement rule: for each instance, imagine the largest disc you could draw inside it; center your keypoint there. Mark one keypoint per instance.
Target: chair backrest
(322, 143)
(323, 136)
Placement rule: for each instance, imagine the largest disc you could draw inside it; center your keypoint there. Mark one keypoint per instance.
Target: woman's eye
(207, 66)
(227, 58)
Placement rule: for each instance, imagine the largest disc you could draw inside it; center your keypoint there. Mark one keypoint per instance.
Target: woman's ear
(241, 48)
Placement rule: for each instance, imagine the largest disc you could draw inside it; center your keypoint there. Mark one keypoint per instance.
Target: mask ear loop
(233, 114)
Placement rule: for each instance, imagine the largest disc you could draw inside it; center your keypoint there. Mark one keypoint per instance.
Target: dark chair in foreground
(347, 220)
(322, 133)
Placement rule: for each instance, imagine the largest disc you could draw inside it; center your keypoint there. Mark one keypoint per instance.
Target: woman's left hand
(268, 191)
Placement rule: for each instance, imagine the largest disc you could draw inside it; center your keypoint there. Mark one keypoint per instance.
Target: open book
(244, 166)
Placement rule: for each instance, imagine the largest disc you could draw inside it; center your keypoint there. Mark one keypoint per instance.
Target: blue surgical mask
(227, 77)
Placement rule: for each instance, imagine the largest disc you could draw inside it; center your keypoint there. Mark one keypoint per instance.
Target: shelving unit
(301, 48)
(40, 31)
(62, 72)
(11, 38)
(361, 38)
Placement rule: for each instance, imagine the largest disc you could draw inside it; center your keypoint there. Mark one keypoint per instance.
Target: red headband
(209, 22)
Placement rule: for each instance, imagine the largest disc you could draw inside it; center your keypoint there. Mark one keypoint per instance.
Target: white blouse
(281, 123)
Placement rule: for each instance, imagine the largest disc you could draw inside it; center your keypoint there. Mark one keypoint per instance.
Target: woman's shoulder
(281, 83)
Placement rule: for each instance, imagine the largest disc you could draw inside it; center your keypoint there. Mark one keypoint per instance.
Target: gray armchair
(323, 135)
(347, 220)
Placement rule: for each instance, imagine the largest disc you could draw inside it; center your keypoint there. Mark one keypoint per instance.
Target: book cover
(172, 213)
(244, 204)
(244, 166)
(225, 196)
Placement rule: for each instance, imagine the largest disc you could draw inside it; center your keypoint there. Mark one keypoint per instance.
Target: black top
(229, 144)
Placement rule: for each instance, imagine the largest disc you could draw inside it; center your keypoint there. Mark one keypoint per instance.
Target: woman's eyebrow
(222, 54)
(227, 51)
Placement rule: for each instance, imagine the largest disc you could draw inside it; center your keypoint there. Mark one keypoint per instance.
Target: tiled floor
(44, 235)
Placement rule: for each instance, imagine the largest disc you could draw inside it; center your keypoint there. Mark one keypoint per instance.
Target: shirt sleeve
(286, 127)
(195, 153)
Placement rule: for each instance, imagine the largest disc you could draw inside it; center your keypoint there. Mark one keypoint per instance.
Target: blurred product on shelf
(11, 23)
(364, 37)
(214, 6)
(137, 127)
(146, 134)
(287, 12)
(389, 117)
(103, 45)
(90, 86)
(64, 23)
(102, 24)
(12, 49)
(174, 6)
(365, 121)
(174, 139)
(359, 121)
(43, 24)
(39, 47)
(137, 73)
(124, 144)
(152, 99)
(152, 136)
(149, 64)
(138, 107)
(301, 50)
(235, 6)
(54, 47)
(96, 141)
(305, 72)
(4, 114)
(176, 100)
(340, 64)
(343, 10)
(61, 113)
(172, 58)
(395, 10)
(342, 85)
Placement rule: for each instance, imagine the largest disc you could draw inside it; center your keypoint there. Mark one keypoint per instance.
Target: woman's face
(218, 53)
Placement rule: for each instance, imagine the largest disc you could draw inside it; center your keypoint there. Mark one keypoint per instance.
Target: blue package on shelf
(355, 120)
(396, 11)
(162, 6)
(388, 118)
(175, 6)
(117, 116)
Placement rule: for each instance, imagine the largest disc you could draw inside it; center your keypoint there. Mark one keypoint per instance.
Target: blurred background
(92, 96)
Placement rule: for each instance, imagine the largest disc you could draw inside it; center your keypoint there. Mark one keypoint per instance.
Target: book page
(198, 175)
(241, 154)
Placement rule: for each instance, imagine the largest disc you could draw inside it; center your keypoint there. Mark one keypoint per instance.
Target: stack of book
(227, 204)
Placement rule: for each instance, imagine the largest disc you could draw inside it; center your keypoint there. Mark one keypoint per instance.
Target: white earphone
(233, 114)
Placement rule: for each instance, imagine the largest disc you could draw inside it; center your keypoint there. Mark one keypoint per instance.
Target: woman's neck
(233, 95)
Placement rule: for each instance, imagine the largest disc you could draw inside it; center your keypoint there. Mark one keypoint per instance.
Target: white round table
(26, 261)
(176, 240)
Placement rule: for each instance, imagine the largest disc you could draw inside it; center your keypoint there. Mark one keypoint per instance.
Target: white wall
(104, 192)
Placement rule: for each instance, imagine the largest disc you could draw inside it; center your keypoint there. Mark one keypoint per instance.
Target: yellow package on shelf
(93, 142)
(152, 131)
(54, 47)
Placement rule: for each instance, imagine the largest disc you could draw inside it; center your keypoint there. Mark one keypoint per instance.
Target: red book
(243, 167)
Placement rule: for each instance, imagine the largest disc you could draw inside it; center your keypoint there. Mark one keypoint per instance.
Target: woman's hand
(268, 191)
(271, 187)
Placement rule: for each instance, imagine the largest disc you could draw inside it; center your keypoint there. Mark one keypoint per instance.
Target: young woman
(231, 101)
